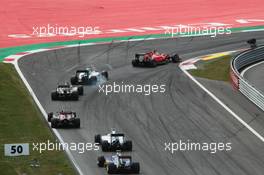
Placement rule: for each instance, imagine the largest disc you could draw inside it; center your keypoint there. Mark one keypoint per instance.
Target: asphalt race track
(255, 75)
(183, 112)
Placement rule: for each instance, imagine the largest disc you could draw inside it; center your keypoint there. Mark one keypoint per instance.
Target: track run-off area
(22, 20)
(183, 112)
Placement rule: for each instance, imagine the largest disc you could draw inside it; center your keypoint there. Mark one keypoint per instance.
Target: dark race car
(118, 164)
(153, 59)
(113, 142)
(67, 92)
(64, 119)
(88, 76)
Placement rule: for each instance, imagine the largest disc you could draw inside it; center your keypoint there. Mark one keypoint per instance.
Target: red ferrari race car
(153, 58)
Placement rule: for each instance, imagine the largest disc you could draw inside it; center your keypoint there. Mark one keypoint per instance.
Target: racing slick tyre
(97, 138)
(50, 115)
(92, 80)
(111, 168)
(105, 146)
(127, 146)
(153, 64)
(134, 63)
(135, 168)
(77, 123)
(54, 123)
(54, 96)
(74, 80)
(175, 58)
(75, 96)
(101, 161)
(80, 90)
(105, 74)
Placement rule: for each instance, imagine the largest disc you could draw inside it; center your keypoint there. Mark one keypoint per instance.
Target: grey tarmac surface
(184, 112)
(255, 76)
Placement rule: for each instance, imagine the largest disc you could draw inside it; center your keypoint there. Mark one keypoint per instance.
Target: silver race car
(118, 164)
(67, 92)
(88, 76)
(113, 141)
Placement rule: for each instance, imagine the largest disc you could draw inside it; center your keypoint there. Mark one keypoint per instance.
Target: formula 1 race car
(118, 164)
(67, 92)
(64, 119)
(88, 76)
(113, 142)
(153, 58)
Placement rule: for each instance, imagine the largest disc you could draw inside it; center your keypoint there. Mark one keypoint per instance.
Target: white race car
(67, 92)
(118, 164)
(88, 76)
(113, 141)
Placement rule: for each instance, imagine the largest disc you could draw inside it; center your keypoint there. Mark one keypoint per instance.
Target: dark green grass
(216, 69)
(21, 122)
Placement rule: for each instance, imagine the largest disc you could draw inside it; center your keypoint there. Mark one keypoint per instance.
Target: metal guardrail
(241, 61)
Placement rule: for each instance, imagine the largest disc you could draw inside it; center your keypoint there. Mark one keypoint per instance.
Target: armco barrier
(241, 61)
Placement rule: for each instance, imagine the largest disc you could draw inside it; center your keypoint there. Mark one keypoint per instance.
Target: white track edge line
(45, 115)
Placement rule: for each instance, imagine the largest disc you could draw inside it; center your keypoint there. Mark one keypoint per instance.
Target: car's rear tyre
(97, 138)
(92, 80)
(77, 123)
(50, 115)
(134, 63)
(111, 168)
(105, 146)
(74, 80)
(153, 63)
(80, 90)
(127, 146)
(175, 58)
(105, 74)
(54, 96)
(54, 123)
(135, 168)
(101, 161)
(75, 96)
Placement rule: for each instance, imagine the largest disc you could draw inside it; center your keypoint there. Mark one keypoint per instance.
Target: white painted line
(15, 56)
(115, 31)
(189, 67)
(151, 28)
(45, 115)
(244, 71)
(223, 105)
(38, 50)
(135, 30)
(252, 30)
(242, 21)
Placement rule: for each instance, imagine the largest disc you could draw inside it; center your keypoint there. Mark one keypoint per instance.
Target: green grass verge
(21, 122)
(216, 69)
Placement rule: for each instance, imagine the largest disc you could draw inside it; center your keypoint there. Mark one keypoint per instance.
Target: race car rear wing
(79, 71)
(117, 135)
(137, 55)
